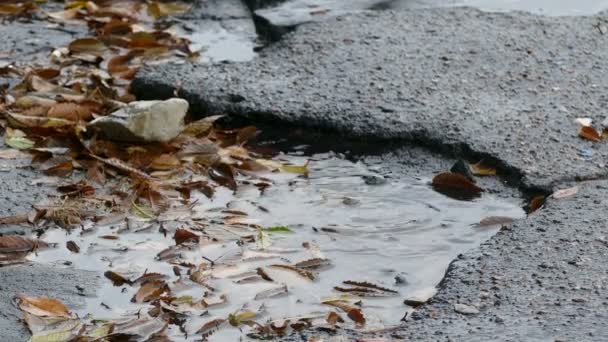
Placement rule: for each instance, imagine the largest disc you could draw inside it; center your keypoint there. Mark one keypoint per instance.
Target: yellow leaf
(479, 169)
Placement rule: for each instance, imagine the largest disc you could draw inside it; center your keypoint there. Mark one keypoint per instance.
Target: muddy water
(372, 221)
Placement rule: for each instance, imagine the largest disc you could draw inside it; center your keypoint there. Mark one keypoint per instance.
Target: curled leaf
(455, 185)
(589, 133)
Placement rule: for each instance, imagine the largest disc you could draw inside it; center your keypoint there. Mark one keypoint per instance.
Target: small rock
(144, 121)
(420, 297)
(373, 179)
(465, 309)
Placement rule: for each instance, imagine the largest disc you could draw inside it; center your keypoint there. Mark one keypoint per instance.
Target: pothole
(274, 254)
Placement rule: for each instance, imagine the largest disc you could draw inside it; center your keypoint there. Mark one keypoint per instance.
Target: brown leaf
(369, 286)
(208, 328)
(14, 219)
(43, 306)
(480, 169)
(223, 175)
(60, 170)
(17, 243)
(183, 235)
(165, 162)
(270, 293)
(150, 291)
(246, 133)
(117, 279)
(589, 133)
(563, 193)
(353, 312)
(77, 189)
(70, 111)
(301, 272)
(313, 263)
(333, 318)
(91, 46)
(47, 73)
(455, 185)
(535, 203)
(72, 246)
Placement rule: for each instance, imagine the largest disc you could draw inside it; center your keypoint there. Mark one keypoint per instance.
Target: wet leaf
(18, 142)
(165, 162)
(353, 312)
(208, 328)
(313, 263)
(535, 203)
(494, 221)
(117, 279)
(184, 235)
(72, 246)
(157, 9)
(333, 318)
(273, 165)
(481, 169)
(13, 246)
(201, 127)
(239, 318)
(455, 185)
(563, 193)
(70, 111)
(246, 133)
(589, 133)
(270, 293)
(142, 211)
(463, 168)
(91, 46)
(277, 229)
(141, 329)
(150, 291)
(43, 306)
(222, 173)
(369, 286)
(301, 272)
(63, 169)
(12, 154)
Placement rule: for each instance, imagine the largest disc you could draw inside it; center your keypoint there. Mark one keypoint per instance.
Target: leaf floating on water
(142, 211)
(481, 169)
(589, 133)
(72, 246)
(14, 248)
(273, 292)
(43, 306)
(277, 229)
(223, 174)
(242, 317)
(563, 193)
(117, 279)
(365, 284)
(313, 263)
(210, 327)
(455, 185)
(494, 221)
(158, 9)
(301, 272)
(150, 290)
(333, 318)
(353, 312)
(463, 168)
(184, 235)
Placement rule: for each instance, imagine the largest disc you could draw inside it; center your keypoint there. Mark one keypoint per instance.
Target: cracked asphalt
(503, 87)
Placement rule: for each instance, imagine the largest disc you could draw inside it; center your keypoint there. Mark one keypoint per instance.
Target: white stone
(149, 121)
(465, 309)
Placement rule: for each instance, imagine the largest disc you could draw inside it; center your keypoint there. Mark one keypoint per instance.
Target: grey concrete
(503, 86)
(542, 279)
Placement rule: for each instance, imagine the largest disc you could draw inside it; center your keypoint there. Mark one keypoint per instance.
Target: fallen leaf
(333, 318)
(563, 193)
(91, 46)
(313, 263)
(277, 229)
(480, 169)
(183, 235)
(117, 279)
(239, 318)
(157, 9)
(353, 312)
(208, 328)
(70, 111)
(17, 139)
(222, 173)
(494, 221)
(63, 169)
(301, 272)
(43, 306)
(589, 133)
(455, 185)
(165, 162)
(12, 154)
(150, 291)
(535, 203)
(72, 246)
(270, 293)
(14, 248)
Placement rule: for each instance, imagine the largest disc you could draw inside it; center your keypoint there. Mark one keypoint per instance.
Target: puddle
(546, 7)
(218, 44)
(390, 229)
